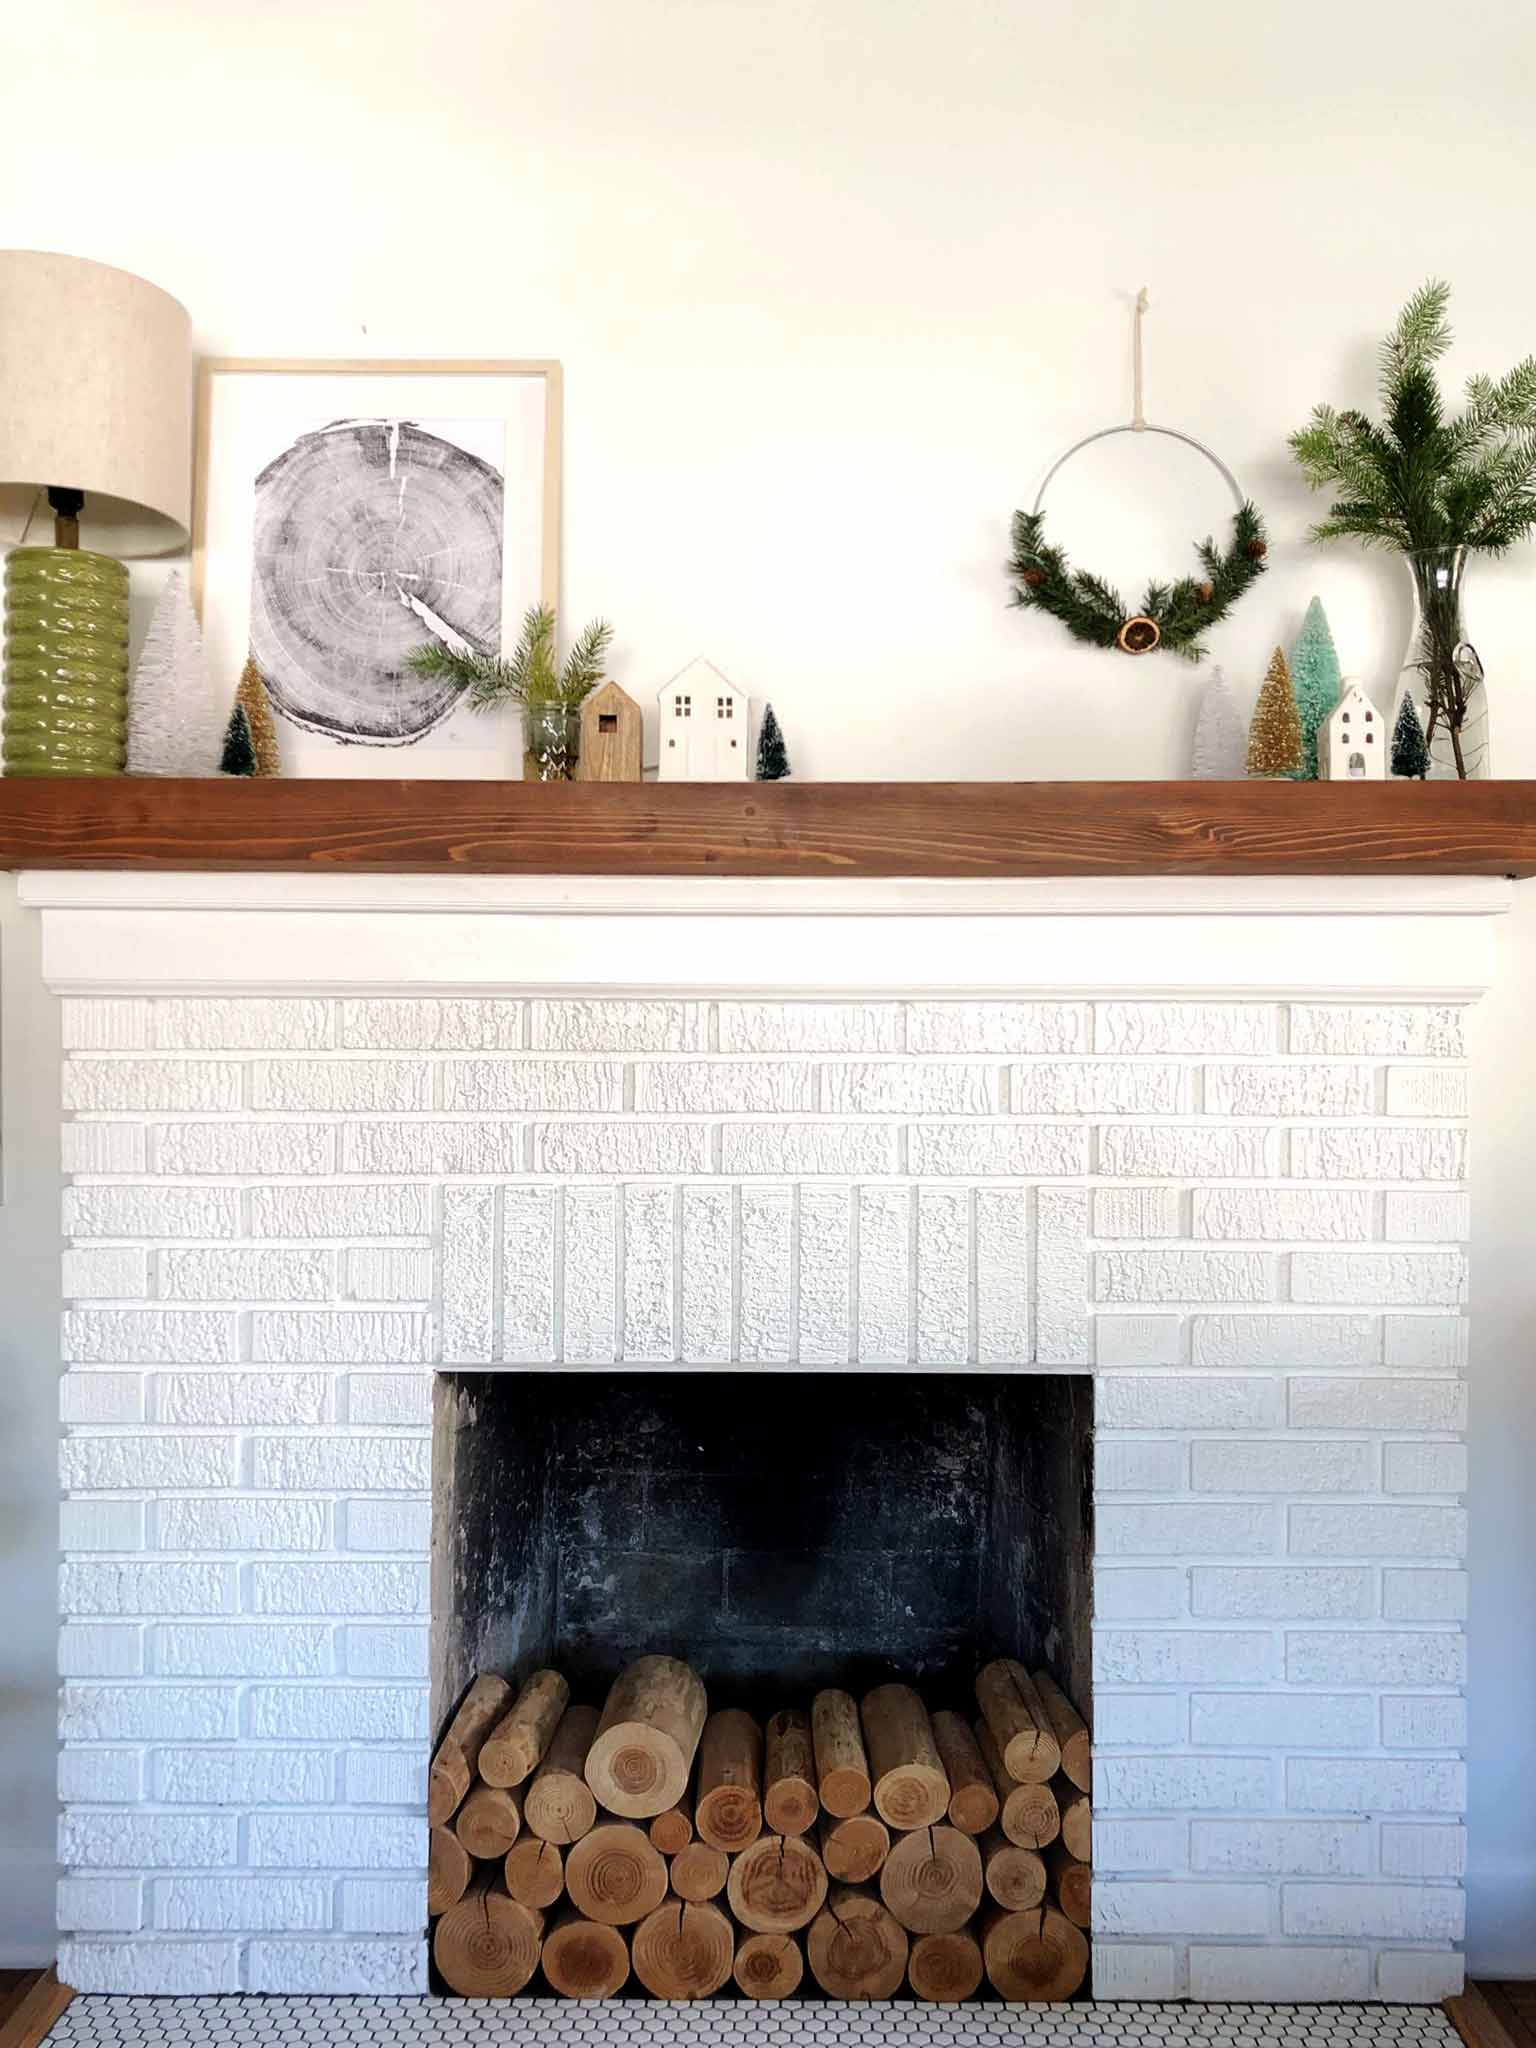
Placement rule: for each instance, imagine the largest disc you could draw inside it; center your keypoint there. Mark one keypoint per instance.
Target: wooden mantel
(784, 829)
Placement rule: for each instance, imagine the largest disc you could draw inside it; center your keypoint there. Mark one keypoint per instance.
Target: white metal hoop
(1141, 427)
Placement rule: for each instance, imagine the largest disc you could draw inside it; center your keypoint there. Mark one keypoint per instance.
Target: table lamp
(96, 414)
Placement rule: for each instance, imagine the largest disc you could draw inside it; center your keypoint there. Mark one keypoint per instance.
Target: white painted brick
(340, 1337)
(477, 1145)
(1181, 1657)
(621, 1149)
(765, 1275)
(1138, 1339)
(100, 1905)
(1003, 1335)
(376, 1086)
(826, 1253)
(103, 1586)
(243, 1650)
(1187, 1529)
(1283, 1848)
(1422, 1030)
(147, 1336)
(1098, 1088)
(104, 1023)
(111, 1464)
(103, 1148)
(1379, 1152)
(885, 1225)
(383, 1905)
(101, 1397)
(93, 1649)
(1303, 1213)
(1283, 1592)
(387, 1210)
(1137, 1212)
(943, 1276)
(1408, 1595)
(139, 1713)
(1178, 1906)
(810, 1027)
(101, 1525)
(200, 1212)
(347, 1586)
(92, 1839)
(106, 1272)
(648, 1304)
(368, 1464)
(1392, 1912)
(243, 1777)
(1435, 1721)
(1133, 1466)
(574, 1025)
(335, 1968)
(1268, 1466)
(373, 1651)
(1139, 1720)
(1423, 1277)
(245, 1148)
(1428, 1218)
(845, 1150)
(590, 1276)
(1004, 1027)
(528, 1277)
(1427, 1343)
(1127, 1846)
(469, 1267)
(1323, 1341)
(233, 1905)
(150, 1085)
(328, 1713)
(1181, 1784)
(154, 1968)
(1414, 1977)
(385, 1777)
(1362, 1785)
(384, 1397)
(391, 1272)
(374, 1525)
(1388, 1657)
(1378, 1404)
(1135, 1971)
(238, 1399)
(1281, 1720)
(1415, 1849)
(1062, 1332)
(230, 1273)
(1137, 1593)
(908, 1088)
(1361, 1531)
(337, 1841)
(240, 1024)
(1187, 1152)
(1425, 1468)
(1182, 1276)
(1185, 1027)
(1426, 1091)
(706, 1286)
(997, 1151)
(409, 1024)
(1187, 1401)
(722, 1087)
(1283, 1975)
(251, 1522)
(1297, 1090)
(507, 1086)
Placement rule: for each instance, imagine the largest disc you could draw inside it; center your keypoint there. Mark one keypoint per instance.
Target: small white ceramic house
(706, 728)
(1355, 741)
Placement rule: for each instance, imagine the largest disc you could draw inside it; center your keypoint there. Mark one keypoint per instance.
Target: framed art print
(348, 513)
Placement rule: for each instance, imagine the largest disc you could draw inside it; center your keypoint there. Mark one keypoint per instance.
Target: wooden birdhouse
(1355, 742)
(610, 736)
(705, 728)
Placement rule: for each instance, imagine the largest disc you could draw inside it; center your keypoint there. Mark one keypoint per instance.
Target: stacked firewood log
(866, 1844)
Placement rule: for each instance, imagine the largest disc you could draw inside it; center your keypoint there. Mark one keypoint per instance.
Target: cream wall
(832, 283)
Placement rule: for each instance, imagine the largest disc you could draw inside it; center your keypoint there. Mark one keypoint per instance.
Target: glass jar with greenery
(549, 691)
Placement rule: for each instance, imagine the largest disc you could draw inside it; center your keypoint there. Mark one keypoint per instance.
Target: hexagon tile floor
(252, 2022)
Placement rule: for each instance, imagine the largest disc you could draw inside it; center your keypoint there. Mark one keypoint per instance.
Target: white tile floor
(251, 2022)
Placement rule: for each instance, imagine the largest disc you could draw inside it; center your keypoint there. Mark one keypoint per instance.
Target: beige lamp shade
(95, 396)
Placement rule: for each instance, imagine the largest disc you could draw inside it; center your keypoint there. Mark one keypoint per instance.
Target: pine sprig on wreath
(1172, 615)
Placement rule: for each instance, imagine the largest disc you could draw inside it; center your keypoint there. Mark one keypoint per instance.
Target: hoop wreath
(1172, 615)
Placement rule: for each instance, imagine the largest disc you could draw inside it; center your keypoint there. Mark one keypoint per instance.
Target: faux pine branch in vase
(1435, 488)
(548, 691)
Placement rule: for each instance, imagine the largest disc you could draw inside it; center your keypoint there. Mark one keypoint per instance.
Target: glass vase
(551, 742)
(1443, 671)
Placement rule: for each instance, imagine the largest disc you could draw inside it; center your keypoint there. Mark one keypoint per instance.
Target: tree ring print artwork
(371, 536)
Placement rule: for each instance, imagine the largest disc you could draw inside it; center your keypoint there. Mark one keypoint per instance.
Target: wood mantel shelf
(785, 829)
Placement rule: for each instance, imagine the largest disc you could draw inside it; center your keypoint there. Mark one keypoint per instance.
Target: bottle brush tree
(1221, 746)
(1410, 749)
(1318, 684)
(1274, 736)
(772, 754)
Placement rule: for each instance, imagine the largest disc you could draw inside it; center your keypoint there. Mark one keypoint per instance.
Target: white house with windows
(1353, 745)
(706, 727)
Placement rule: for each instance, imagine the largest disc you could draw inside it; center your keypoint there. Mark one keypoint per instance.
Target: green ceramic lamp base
(66, 663)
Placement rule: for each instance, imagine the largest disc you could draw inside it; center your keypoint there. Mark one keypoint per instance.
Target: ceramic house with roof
(1354, 741)
(705, 728)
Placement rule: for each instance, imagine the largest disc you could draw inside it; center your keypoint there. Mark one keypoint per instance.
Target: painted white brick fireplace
(1202, 1141)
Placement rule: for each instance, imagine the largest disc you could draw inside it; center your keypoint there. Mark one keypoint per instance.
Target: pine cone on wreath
(1033, 577)
(1256, 550)
(1205, 592)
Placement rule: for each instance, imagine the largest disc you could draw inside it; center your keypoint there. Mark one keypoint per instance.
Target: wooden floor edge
(32, 2017)
(1469, 2013)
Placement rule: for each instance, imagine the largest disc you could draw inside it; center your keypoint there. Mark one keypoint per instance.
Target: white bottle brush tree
(176, 719)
